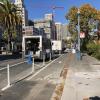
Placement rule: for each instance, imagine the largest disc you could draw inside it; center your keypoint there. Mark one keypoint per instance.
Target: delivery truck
(37, 45)
(58, 46)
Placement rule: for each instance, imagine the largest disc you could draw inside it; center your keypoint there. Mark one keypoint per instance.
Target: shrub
(93, 49)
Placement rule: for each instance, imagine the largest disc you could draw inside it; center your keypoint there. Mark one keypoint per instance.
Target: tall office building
(23, 13)
(58, 30)
(65, 32)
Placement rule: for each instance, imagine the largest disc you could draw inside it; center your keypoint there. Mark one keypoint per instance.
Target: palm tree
(9, 18)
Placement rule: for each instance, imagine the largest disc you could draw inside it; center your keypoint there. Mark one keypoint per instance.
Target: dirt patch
(60, 86)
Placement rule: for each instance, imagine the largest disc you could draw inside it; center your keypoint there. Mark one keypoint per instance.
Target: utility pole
(79, 53)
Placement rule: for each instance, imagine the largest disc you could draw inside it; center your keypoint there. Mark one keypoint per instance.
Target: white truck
(58, 46)
(38, 45)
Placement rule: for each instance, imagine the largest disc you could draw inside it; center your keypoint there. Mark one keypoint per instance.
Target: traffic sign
(82, 35)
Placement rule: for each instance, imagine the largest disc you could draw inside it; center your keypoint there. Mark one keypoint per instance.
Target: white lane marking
(60, 62)
(37, 65)
(8, 60)
(39, 79)
(3, 68)
(43, 68)
(47, 76)
(18, 63)
(13, 65)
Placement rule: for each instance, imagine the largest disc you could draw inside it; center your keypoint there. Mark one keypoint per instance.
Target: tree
(10, 19)
(98, 34)
(72, 17)
(88, 18)
(88, 15)
(98, 27)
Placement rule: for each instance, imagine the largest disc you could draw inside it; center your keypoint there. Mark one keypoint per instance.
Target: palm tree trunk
(8, 45)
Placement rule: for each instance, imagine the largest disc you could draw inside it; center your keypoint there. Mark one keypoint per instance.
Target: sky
(37, 8)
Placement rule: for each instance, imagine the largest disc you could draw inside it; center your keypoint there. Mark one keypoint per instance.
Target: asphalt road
(39, 86)
(18, 70)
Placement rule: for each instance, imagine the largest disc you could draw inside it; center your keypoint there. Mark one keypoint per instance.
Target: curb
(60, 86)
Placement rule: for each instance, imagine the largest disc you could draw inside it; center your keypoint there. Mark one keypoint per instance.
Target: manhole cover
(79, 83)
(86, 84)
(85, 74)
(88, 78)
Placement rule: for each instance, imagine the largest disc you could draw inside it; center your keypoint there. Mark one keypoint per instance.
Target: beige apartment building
(23, 13)
(48, 25)
(59, 30)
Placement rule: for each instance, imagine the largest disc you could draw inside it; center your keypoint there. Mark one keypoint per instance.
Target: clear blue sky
(37, 8)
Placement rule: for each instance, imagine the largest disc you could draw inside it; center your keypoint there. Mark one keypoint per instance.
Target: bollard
(33, 66)
(59, 52)
(78, 55)
(8, 75)
(8, 79)
(50, 56)
(43, 60)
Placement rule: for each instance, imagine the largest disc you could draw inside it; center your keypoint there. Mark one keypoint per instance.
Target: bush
(93, 49)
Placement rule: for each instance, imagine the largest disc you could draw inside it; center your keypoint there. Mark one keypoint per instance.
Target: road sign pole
(78, 30)
(78, 53)
(8, 79)
(43, 59)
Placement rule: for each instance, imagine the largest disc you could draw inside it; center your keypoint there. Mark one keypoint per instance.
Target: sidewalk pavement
(83, 78)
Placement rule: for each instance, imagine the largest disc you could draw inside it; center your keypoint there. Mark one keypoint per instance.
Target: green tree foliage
(72, 17)
(9, 19)
(93, 49)
(98, 32)
(87, 15)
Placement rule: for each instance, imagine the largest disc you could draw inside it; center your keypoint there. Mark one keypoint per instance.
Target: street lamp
(79, 53)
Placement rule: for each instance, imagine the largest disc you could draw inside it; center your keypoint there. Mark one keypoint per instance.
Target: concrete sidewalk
(83, 79)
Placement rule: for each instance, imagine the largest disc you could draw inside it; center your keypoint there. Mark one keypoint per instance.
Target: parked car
(67, 50)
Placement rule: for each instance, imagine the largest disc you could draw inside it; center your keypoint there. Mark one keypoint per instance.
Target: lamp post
(79, 53)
